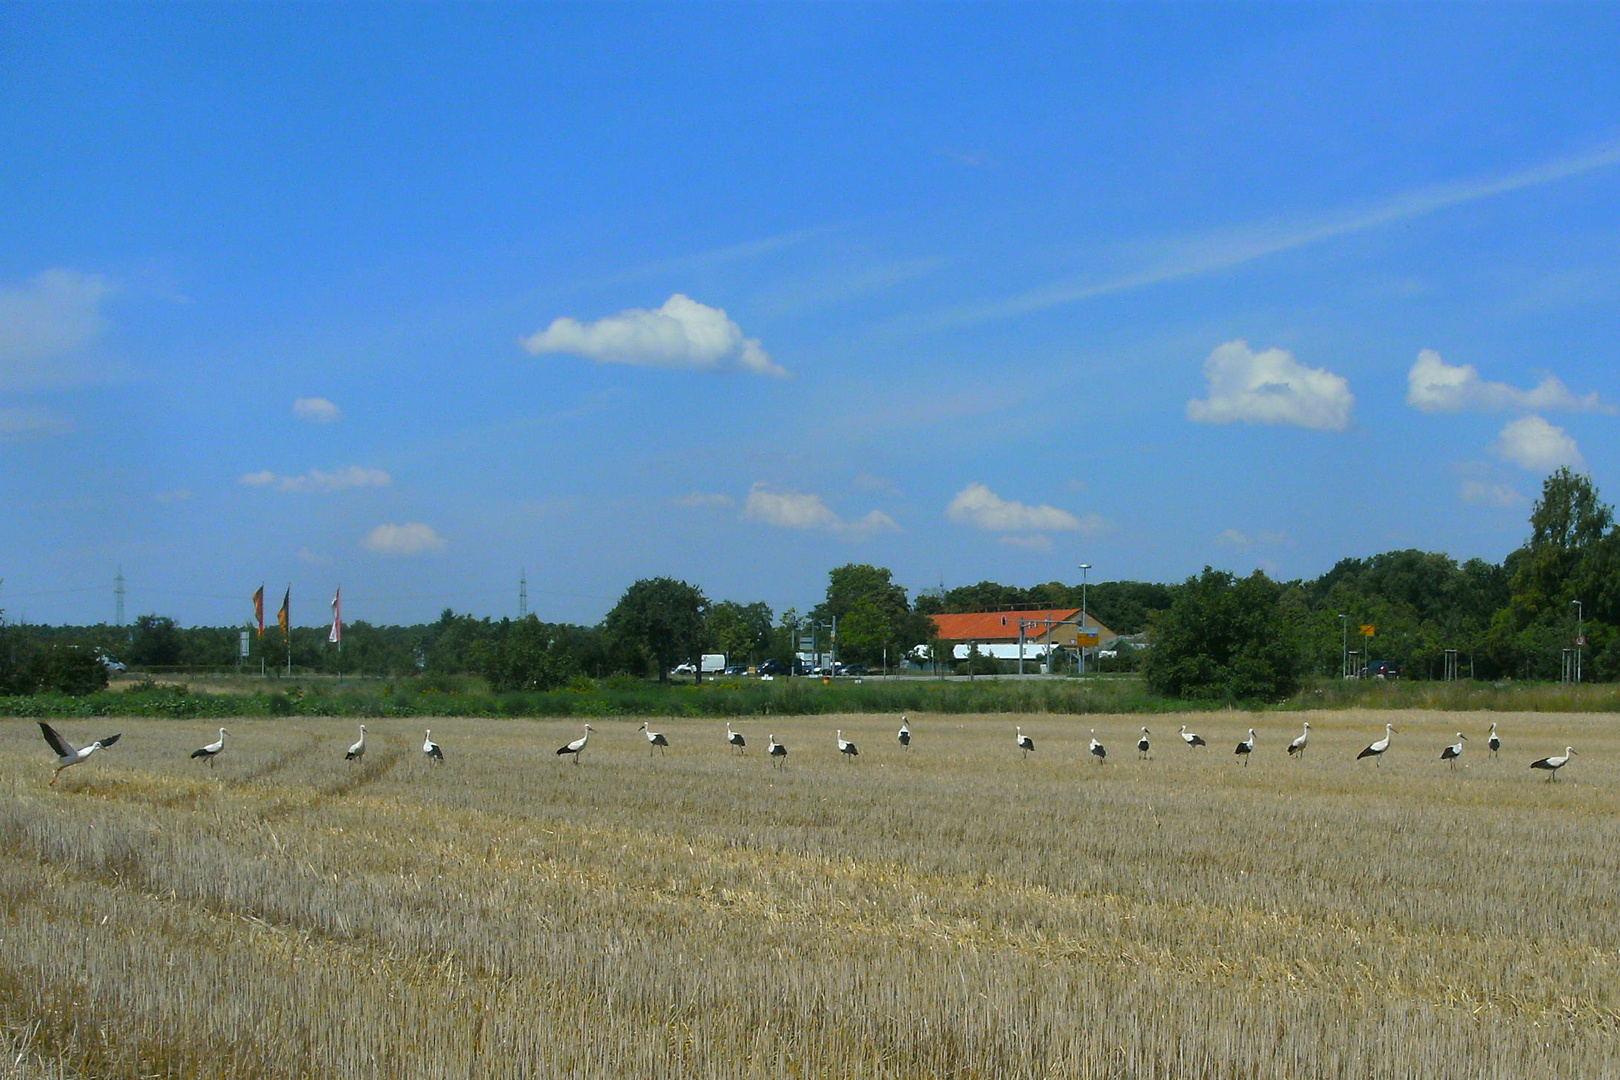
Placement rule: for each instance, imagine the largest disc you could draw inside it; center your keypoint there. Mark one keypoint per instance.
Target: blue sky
(421, 298)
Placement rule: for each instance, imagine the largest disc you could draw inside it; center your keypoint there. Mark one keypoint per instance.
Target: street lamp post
(1344, 648)
(1580, 634)
(1085, 567)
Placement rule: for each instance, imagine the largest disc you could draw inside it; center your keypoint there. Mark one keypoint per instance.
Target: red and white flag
(336, 636)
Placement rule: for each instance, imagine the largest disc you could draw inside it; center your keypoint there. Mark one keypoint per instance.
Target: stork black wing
(62, 747)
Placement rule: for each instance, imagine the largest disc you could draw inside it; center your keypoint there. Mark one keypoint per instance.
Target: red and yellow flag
(281, 616)
(258, 610)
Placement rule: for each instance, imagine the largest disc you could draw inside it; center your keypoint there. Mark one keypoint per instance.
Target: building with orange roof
(1001, 633)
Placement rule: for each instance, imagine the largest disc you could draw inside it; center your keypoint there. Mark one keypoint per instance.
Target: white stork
(776, 750)
(904, 734)
(1025, 743)
(1191, 738)
(1297, 747)
(846, 747)
(1246, 747)
(1377, 747)
(357, 752)
(1098, 750)
(1551, 764)
(68, 755)
(1143, 745)
(735, 738)
(434, 752)
(654, 739)
(212, 750)
(1454, 751)
(1494, 741)
(577, 745)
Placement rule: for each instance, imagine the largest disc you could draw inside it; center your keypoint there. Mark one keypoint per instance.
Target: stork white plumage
(434, 752)
(1297, 747)
(1245, 748)
(735, 738)
(1377, 747)
(846, 747)
(578, 745)
(776, 750)
(1494, 741)
(1143, 745)
(1454, 751)
(1025, 743)
(212, 750)
(1553, 764)
(655, 739)
(1191, 738)
(904, 734)
(357, 750)
(1099, 752)
(68, 755)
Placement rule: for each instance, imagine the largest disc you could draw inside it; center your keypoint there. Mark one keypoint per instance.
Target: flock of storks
(68, 755)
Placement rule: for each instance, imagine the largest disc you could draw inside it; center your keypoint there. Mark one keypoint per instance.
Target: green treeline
(1213, 637)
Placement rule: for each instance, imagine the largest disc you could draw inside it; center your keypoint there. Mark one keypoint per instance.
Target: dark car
(850, 669)
(772, 666)
(736, 669)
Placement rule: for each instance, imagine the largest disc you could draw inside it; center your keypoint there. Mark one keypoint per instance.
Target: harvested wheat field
(951, 909)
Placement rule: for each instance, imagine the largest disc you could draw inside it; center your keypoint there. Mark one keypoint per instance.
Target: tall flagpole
(285, 618)
(258, 613)
(336, 634)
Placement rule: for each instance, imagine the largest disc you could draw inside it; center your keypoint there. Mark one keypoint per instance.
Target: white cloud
(1496, 496)
(1037, 543)
(977, 505)
(319, 482)
(23, 424)
(316, 410)
(1436, 386)
(1270, 387)
(1532, 443)
(51, 314)
(809, 512)
(314, 558)
(412, 538)
(681, 334)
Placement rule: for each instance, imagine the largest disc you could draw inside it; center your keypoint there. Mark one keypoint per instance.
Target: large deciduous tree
(662, 619)
(875, 620)
(741, 631)
(155, 642)
(1573, 555)
(1225, 639)
(529, 656)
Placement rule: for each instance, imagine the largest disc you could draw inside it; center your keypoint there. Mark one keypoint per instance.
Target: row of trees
(1555, 599)
(1214, 635)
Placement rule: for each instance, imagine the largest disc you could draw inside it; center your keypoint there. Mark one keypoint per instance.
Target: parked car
(850, 669)
(736, 669)
(683, 669)
(111, 663)
(772, 666)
